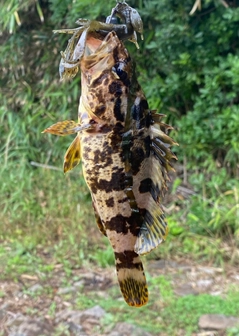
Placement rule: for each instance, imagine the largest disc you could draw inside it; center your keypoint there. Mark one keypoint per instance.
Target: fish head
(104, 93)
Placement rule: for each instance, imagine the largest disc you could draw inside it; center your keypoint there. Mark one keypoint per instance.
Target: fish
(125, 153)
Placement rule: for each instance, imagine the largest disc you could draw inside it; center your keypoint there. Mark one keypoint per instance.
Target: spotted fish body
(126, 157)
(104, 99)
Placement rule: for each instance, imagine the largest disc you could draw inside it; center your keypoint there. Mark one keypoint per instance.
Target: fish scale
(125, 155)
(105, 168)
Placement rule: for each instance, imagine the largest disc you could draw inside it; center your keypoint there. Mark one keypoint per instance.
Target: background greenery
(188, 66)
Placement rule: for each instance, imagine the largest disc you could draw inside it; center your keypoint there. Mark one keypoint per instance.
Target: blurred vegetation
(188, 66)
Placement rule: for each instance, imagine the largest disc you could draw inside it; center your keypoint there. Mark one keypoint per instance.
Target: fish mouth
(99, 53)
(92, 45)
(98, 44)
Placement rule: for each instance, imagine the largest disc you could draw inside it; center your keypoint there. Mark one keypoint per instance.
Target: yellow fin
(73, 155)
(62, 128)
(131, 277)
(66, 127)
(153, 231)
(133, 286)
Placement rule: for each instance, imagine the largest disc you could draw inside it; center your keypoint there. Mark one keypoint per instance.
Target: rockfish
(125, 154)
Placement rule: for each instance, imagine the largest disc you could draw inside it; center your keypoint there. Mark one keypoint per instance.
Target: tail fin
(131, 278)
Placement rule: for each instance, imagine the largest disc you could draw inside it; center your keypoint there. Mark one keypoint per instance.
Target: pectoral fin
(66, 127)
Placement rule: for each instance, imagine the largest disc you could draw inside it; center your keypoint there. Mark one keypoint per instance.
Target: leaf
(39, 11)
(17, 18)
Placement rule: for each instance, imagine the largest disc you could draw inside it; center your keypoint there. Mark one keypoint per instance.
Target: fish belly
(104, 173)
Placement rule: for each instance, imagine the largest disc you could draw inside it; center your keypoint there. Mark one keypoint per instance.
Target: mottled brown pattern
(126, 260)
(110, 202)
(126, 158)
(123, 200)
(115, 183)
(128, 163)
(117, 224)
(147, 185)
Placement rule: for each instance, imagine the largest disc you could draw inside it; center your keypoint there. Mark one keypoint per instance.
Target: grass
(41, 206)
(184, 312)
(47, 219)
(165, 312)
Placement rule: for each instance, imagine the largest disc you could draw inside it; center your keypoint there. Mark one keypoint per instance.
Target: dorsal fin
(154, 229)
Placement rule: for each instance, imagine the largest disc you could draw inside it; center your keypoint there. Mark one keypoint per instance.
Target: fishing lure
(70, 62)
(123, 145)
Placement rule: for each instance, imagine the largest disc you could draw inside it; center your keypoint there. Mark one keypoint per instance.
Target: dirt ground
(34, 305)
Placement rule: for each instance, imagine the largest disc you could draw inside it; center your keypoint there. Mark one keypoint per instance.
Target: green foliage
(211, 126)
(105, 256)
(192, 66)
(170, 313)
(188, 67)
(21, 259)
(233, 331)
(189, 308)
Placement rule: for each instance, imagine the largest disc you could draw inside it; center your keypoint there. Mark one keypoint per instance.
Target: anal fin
(153, 231)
